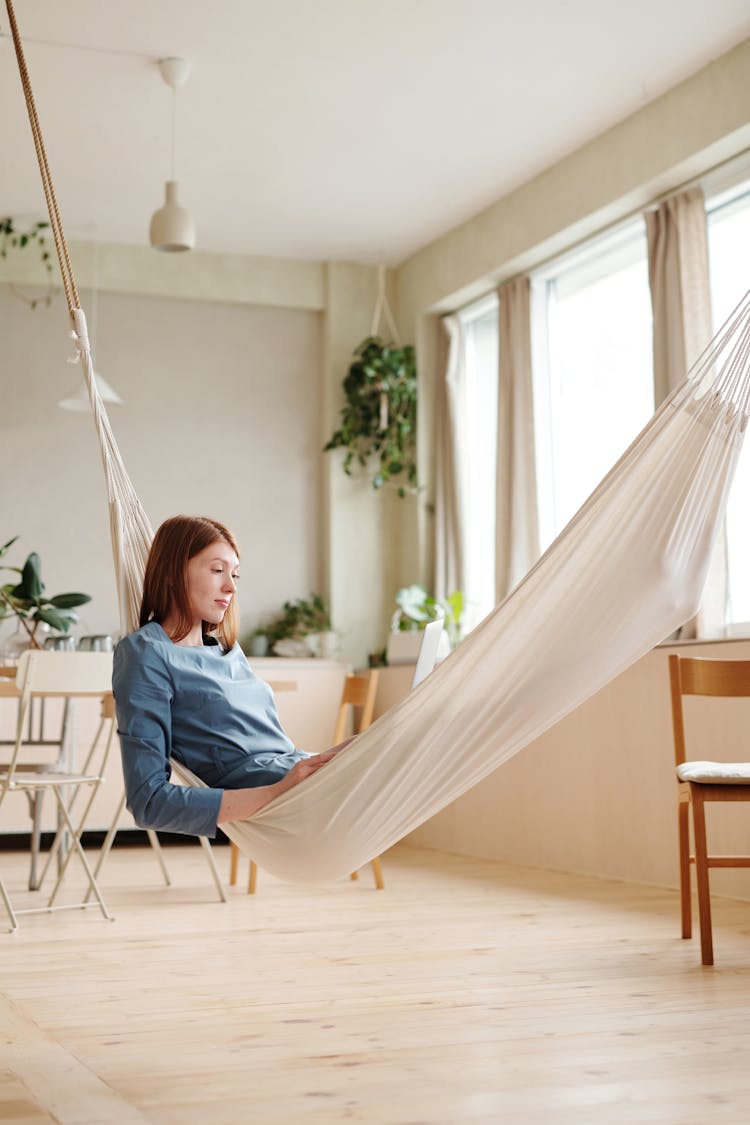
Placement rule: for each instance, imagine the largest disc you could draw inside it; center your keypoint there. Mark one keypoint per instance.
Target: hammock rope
(61, 246)
(626, 572)
(130, 531)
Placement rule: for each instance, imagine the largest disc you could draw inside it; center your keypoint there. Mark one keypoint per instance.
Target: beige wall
(597, 793)
(272, 341)
(692, 127)
(221, 416)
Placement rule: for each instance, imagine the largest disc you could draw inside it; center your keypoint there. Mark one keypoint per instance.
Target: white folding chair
(67, 675)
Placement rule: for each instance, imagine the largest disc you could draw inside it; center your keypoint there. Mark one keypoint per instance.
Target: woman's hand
(238, 804)
(304, 768)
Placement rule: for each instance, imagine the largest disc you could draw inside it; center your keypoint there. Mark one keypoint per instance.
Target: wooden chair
(357, 704)
(358, 700)
(234, 858)
(704, 781)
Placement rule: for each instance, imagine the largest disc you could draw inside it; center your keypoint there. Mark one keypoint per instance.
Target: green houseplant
(416, 608)
(299, 619)
(26, 600)
(378, 426)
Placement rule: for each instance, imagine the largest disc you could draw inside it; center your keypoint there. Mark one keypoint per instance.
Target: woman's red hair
(165, 590)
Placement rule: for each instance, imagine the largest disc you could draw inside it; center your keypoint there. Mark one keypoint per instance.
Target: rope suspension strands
(130, 530)
(61, 246)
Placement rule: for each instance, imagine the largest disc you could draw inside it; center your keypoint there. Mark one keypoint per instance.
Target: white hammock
(626, 572)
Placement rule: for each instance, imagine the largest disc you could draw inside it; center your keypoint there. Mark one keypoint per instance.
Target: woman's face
(212, 577)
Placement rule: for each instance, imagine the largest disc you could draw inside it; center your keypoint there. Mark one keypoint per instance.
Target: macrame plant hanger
(130, 530)
(382, 314)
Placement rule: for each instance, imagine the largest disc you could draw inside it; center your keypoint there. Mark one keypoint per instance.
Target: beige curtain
(517, 523)
(680, 295)
(681, 304)
(451, 475)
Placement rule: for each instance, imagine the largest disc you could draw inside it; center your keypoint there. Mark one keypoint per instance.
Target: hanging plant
(11, 238)
(379, 421)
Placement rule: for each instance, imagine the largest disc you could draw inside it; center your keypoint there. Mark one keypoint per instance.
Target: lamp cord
(174, 133)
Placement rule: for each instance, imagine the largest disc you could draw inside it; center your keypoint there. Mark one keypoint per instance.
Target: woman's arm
(238, 804)
(143, 695)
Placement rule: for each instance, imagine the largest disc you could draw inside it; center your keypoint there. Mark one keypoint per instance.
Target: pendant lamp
(172, 226)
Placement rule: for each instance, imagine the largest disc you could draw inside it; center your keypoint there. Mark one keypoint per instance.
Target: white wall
(221, 417)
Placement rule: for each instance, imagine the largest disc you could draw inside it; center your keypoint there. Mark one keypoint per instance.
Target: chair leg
(8, 907)
(377, 871)
(234, 862)
(75, 845)
(35, 800)
(206, 845)
(252, 881)
(354, 876)
(153, 840)
(701, 873)
(683, 822)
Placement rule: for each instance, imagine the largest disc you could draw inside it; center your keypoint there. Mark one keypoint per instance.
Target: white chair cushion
(715, 773)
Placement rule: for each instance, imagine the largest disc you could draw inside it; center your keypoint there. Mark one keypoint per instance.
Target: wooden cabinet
(308, 710)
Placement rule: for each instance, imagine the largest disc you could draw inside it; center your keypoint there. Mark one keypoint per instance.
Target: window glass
(729, 253)
(480, 324)
(593, 369)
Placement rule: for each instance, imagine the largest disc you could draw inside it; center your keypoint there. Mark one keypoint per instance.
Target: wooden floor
(467, 991)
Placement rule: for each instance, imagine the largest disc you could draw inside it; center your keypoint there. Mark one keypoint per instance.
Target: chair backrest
(702, 676)
(50, 673)
(42, 672)
(358, 691)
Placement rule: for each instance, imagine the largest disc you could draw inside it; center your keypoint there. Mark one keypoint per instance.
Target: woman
(183, 692)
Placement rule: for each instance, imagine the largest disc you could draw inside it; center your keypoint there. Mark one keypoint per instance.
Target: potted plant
(26, 600)
(415, 608)
(302, 628)
(378, 425)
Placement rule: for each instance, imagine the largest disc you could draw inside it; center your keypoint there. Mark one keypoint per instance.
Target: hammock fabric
(625, 573)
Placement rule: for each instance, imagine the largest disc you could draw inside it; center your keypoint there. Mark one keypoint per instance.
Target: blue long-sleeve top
(204, 707)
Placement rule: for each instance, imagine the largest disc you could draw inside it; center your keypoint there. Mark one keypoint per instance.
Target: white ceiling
(344, 129)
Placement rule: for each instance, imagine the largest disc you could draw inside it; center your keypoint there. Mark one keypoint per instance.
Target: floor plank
(467, 991)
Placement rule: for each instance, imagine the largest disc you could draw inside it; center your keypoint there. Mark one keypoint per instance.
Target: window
(593, 368)
(479, 323)
(594, 385)
(728, 251)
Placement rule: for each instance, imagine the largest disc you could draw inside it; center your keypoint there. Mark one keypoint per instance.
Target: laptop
(428, 651)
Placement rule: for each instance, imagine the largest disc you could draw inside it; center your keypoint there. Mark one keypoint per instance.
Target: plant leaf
(31, 586)
(58, 619)
(5, 546)
(68, 601)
